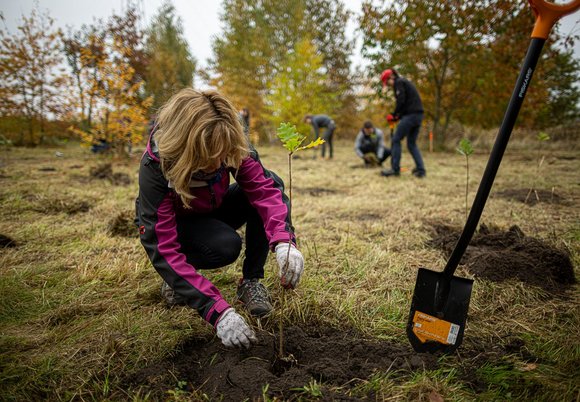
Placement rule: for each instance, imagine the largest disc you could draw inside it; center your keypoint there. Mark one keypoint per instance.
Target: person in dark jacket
(245, 117)
(188, 212)
(409, 113)
(317, 122)
(369, 145)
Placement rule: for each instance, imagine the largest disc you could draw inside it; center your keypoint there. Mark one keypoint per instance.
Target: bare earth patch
(499, 255)
(532, 198)
(105, 172)
(123, 225)
(6, 241)
(338, 360)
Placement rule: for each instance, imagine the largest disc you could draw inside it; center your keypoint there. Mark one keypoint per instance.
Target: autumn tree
(257, 36)
(463, 56)
(171, 66)
(120, 114)
(436, 44)
(30, 77)
(110, 100)
(86, 53)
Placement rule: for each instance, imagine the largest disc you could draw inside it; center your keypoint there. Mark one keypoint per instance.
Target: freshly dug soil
(105, 172)
(534, 197)
(123, 225)
(331, 357)
(6, 241)
(499, 255)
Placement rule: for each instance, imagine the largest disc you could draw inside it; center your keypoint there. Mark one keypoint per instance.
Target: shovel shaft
(497, 152)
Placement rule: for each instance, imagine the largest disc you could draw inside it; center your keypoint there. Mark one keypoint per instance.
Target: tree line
(281, 60)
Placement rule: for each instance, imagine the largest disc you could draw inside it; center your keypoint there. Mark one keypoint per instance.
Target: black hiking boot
(254, 296)
(389, 172)
(418, 173)
(170, 297)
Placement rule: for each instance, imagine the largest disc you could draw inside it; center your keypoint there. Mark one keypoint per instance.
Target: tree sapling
(292, 140)
(542, 137)
(465, 148)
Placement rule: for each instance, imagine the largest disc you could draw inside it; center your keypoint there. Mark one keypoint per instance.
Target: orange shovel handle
(547, 14)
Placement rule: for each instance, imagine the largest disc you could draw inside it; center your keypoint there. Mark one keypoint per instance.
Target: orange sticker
(429, 328)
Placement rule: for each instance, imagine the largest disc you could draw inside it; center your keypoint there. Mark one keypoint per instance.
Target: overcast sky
(200, 18)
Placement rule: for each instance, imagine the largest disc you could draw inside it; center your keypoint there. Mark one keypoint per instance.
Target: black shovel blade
(438, 312)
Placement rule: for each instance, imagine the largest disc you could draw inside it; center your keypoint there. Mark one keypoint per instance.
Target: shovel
(441, 300)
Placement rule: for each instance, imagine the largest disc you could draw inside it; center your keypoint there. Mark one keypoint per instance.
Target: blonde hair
(194, 129)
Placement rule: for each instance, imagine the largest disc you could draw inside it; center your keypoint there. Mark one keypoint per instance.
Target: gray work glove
(289, 273)
(233, 330)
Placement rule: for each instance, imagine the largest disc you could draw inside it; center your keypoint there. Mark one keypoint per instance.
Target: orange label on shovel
(429, 328)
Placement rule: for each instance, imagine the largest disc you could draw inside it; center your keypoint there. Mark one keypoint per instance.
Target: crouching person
(369, 145)
(188, 211)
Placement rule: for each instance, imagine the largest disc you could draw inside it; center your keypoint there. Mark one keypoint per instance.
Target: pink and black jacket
(158, 208)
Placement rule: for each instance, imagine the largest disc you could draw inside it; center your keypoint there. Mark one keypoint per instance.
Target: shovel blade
(437, 318)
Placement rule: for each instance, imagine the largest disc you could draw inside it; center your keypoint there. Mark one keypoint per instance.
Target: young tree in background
(257, 36)
(170, 64)
(31, 81)
(299, 88)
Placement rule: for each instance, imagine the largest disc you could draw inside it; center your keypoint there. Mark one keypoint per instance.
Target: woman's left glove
(289, 273)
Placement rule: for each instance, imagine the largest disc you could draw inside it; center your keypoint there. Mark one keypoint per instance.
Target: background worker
(409, 113)
(317, 122)
(245, 117)
(370, 145)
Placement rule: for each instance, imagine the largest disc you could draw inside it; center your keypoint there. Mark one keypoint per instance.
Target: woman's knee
(230, 247)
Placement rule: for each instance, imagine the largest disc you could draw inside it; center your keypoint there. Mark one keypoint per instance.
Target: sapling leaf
(465, 148)
(312, 144)
(543, 136)
(292, 139)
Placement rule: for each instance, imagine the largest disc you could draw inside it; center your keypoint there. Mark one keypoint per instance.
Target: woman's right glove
(233, 330)
(291, 264)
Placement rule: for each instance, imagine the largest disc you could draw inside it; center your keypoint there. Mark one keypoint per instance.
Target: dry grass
(80, 309)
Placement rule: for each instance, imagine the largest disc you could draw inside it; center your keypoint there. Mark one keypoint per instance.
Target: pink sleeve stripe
(168, 247)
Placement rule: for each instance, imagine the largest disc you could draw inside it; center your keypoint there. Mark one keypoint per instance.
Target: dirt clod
(6, 242)
(499, 255)
(123, 225)
(105, 172)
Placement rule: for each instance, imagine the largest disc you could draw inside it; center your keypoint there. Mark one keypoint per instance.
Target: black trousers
(210, 240)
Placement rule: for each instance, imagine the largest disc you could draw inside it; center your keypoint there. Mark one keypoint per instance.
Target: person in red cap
(409, 113)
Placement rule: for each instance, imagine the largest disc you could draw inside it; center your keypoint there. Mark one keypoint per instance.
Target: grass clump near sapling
(466, 149)
(291, 140)
(542, 137)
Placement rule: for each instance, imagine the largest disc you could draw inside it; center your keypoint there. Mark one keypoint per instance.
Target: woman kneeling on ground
(188, 211)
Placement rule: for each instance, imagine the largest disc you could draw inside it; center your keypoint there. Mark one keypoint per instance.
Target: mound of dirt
(499, 255)
(330, 356)
(123, 225)
(532, 197)
(105, 172)
(6, 241)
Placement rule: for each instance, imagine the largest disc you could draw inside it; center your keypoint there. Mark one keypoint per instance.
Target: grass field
(80, 309)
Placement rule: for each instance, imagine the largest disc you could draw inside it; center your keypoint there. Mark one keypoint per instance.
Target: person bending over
(188, 212)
